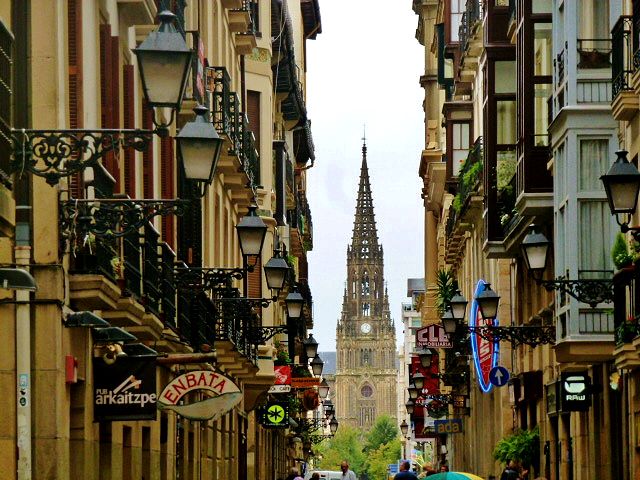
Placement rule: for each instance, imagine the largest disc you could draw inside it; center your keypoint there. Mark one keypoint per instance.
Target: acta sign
(223, 394)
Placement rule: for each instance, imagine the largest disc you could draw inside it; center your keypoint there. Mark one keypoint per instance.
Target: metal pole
(23, 371)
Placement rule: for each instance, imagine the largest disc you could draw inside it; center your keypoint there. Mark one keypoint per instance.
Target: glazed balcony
(467, 203)
(301, 225)
(627, 317)
(625, 60)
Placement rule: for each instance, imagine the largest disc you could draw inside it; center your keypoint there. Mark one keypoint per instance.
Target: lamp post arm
(589, 291)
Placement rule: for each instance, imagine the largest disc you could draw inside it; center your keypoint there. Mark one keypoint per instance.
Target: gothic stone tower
(365, 337)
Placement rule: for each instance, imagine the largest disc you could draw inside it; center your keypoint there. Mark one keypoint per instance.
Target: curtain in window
(594, 238)
(594, 162)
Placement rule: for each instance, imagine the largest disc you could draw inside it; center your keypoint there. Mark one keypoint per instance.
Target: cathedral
(366, 374)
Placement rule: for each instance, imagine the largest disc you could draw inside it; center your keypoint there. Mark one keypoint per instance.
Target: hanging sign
(124, 390)
(575, 392)
(485, 352)
(223, 395)
(433, 336)
(305, 382)
(274, 415)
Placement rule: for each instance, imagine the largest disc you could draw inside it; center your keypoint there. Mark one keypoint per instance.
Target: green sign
(274, 415)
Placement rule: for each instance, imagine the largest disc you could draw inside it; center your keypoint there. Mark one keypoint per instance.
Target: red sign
(283, 374)
(433, 336)
(305, 382)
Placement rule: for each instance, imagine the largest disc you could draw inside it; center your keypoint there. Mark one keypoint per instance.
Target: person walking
(405, 472)
(510, 472)
(346, 473)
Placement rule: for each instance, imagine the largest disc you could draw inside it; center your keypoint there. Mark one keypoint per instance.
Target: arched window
(366, 309)
(365, 287)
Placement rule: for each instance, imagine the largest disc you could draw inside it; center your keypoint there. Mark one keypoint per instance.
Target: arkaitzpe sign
(125, 390)
(223, 395)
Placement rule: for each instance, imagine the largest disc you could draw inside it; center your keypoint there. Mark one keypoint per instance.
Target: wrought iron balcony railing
(219, 89)
(560, 67)
(594, 53)
(622, 55)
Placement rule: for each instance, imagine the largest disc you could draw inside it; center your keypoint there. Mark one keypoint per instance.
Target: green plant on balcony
(445, 289)
(522, 446)
(620, 252)
(627, 331)
(470, 172)
(282, 354)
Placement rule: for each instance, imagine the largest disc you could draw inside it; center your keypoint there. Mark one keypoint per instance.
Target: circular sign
(485, 352)
(275, 414)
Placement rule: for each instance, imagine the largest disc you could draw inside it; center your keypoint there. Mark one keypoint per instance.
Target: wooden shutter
(147, 156)
(74, 47)
(110, 93)
(254, 281)
(167, 166)
(253, 112)
(129, 99)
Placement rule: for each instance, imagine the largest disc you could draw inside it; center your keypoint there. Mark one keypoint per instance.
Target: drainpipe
(22, 252)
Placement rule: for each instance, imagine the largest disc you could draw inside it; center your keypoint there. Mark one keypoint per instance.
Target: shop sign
(433, 336)
(274, 415)
(223, 394)
(451, 425)
(486, 353)
(124, 390)
(283, 374)
(575, 392)
(279, 389)
(305, 382)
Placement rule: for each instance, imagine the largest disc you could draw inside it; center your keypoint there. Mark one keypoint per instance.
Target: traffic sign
(499, 376)
(393, 468)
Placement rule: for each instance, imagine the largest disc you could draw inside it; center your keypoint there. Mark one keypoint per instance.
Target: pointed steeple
(364, 242)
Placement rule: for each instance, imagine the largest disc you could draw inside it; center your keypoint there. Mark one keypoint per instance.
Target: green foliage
(523, 445)
(457, 203)
(505, 171)
(382, 432)
(282, 353)
(446, 285)
(345, 445)
(379, 459)
(620, 252)
(470, 176)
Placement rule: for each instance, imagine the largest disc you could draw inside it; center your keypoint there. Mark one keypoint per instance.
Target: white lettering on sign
(121, 395)
(433, 336)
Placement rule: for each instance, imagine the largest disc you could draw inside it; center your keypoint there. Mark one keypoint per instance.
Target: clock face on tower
(365, 328)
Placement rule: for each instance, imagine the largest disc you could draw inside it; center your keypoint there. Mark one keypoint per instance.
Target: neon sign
(485, 352)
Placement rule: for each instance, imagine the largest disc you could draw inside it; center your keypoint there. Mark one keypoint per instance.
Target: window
(460, 146)
(457, 9)
(542, 71)
(366, 391)
(506, 121)
(366, 308)
(365, 288)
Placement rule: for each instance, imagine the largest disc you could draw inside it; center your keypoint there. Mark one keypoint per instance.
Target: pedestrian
(510, 471)
(444, 467)
(346, 473)
(405, 472)
(293, 473)
(315, 476)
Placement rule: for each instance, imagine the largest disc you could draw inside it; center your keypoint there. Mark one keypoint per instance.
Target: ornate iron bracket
(113, 217)
(590, 291)
(55, 154)
(318, 438)
(528, 335)
(262, 334)
(207, 278)
(311, 424)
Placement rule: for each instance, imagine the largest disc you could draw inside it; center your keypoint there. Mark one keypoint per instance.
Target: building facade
(169, 280)
(365, 336)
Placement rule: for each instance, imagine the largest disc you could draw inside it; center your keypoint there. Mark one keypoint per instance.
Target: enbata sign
(223, 394)
(485, 352)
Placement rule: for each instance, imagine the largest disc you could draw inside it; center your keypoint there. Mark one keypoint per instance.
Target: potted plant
(620, 252)
(522, 446)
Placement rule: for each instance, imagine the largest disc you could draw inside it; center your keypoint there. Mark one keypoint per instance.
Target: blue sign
(499, 376)
(485, 352)
(451, 425)
(393, 468)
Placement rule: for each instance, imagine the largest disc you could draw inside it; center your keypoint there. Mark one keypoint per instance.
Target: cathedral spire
(364, 242)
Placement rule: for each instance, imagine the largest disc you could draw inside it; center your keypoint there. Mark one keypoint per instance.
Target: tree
(383, 431)
(379, 459)
(345, 445)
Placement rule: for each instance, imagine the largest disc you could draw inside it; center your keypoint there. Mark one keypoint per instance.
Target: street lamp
(418, 380)
(275, 271)
(333, 426)
(199, 147)
(622, 184)
(410, 406)
(251, 232)
(404, 428)
(317, 365)
(488, 303)
(323, 389)
(310, 346)
(535, 249)
(449, 322)
(164, 60)
(413, 391)
(294, 303)
(458, 305)
(426, 357)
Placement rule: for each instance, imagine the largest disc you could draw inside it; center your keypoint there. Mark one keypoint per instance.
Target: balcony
(471, 42)
(626, 317)
(299, 220)
(467, 204)
(625, 102)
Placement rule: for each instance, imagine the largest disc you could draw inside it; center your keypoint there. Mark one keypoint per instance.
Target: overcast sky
(364, 69)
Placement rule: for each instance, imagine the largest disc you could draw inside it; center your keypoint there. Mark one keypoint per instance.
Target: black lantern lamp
(275, 271)
(535, 248)
(488, 302)
(622, 184)
(310, 347)
(333, 426)
(164, 60)
(410, 406)
(199, 147)
(251, 232)
(317, 365)
(458, 306)
(413, 391)
(294, 303)
(426, 357)
(418, 380)
(404, 428)
(449, 322)
(323, 389)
